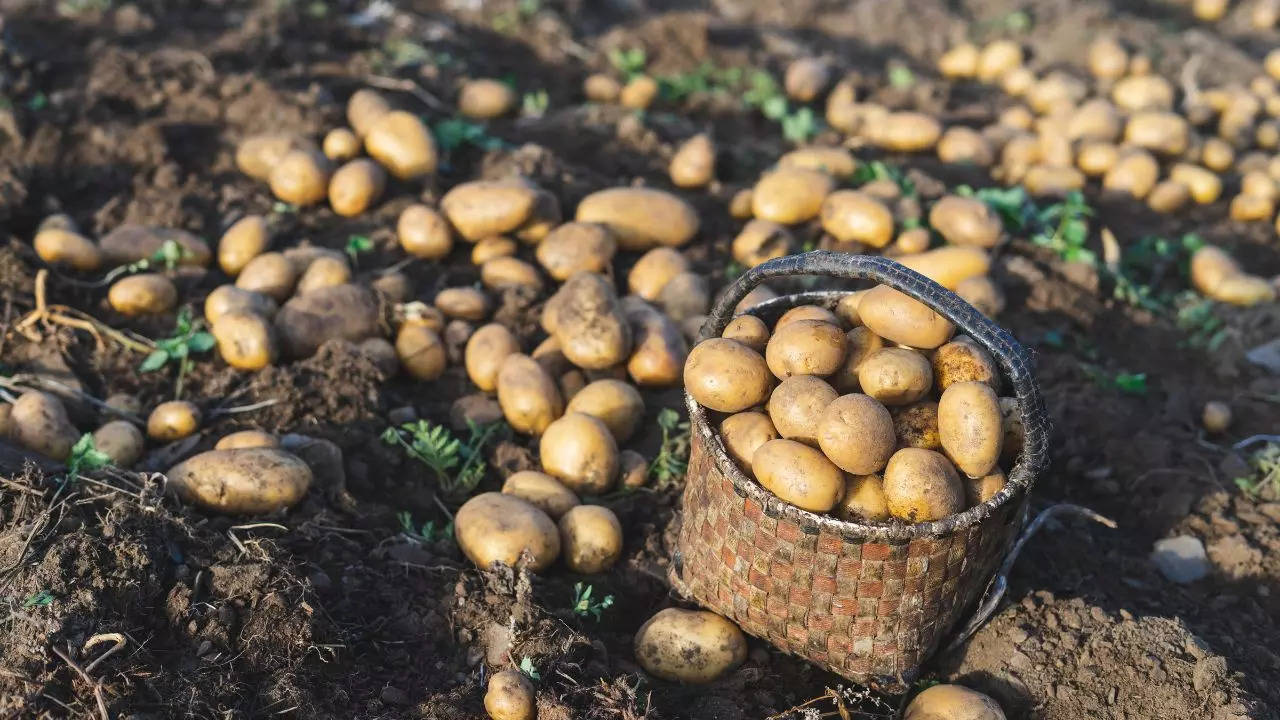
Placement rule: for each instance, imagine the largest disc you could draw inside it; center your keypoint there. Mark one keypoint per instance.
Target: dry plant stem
(117, 639)
(18, 381)
(97, 688)
(409, 86)
(63, 315)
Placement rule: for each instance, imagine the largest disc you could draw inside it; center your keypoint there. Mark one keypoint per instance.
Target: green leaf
(40, 599)
(774, 108)
(156, 360)
(201, 342)
(1132, 383)
(84, 456)
(800, 126)
(527, 667)
(900, 76)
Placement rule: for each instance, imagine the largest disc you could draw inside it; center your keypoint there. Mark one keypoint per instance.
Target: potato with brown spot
(922, 486)
(916, 425)
(579, 450)
(748, 330)
(863, 500)
(806, 347)
(856, 433)
(615, 403)
(510, 696)
(969, 426)
(173, 420)
(576, 247)
(528, 395)
(689, 646)
(727, 376)
(796, 407)
(980, 490)
(861, 343)
(229, 298)
(38, 421)
(659, 350)
(963, 360)
(246, 340)
(498, 528)
(143, 294)
(590, 539)
(587, 320)
(759, 241)
(790, 195)
(246, 481)
(798, 474)
(421, 352)
(121, 441)
(341, 312)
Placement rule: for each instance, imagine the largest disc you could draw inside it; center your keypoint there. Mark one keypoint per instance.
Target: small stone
(206, 646)
(1266, 355)
(402, 415)
(478, 408)
(1018, 636)
(1234, 466)
(1181, 559)
(394, 696)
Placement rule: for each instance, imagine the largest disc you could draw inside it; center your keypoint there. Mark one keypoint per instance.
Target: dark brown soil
(120, 112)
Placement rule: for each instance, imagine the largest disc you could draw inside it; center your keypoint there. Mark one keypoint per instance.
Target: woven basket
(869, 602)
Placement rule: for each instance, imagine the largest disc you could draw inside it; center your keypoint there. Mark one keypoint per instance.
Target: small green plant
(529, 669)
(764, 93)
(878, 170)
(187, 338)
(1064, 228)
(1197, 317)
(628, 61)
(508, 22)
(584, 605)
(673, 457)
(356, 245)
(535, 104)
(443, 453)
(706, 78)
(900, 76)
(281, 207)
(85, 456)
(1012, 204)
(168, 255)
(1265, 463)
(1125, 382)
(427, 533)
(41, 599)
(453, 133)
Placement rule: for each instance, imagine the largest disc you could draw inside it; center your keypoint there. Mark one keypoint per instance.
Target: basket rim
(1019, 480)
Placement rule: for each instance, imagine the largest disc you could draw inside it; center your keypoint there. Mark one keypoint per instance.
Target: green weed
(187, 338)
(443, 453)
(453, 133)
(356, 245)
(628, 61)
(427, 533)
(535, 104)
(584, 605)
(672, 460)
(40, 599)
(529, 669)
(1265, 463)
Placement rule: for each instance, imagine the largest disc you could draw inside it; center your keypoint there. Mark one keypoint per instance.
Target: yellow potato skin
(38, 422)
(899, 318)
(402, 144)
(659, 351)
(895, 376)
(854, 216)
(916, 425)
(761, 240)
(510, 696)
(324, 272)
(301, 177)
(424, 233)
(748, 330)
(246, 239)
(980, 490)
(340, 144)
(863, 500)
(246, 481)
(486, 349)
(590, 539)
(484, 99)
(806, 347)
(861, 343)
(364, 107)
(834, 161)
(421, 352)
(743, 433)
(969, 427)
(693, 165)
(545, 492)
(229, 298)
(641, 218)
(528, 395)
(493, 527)
(65, 246)
(143, 294)
(856, 433)
(576, 247)
(963, 360)
(798, 474)
(579, 450)
(173, 420)
(356, 186)
(654, 270)
(790, 195)
(965, 221)
(952, 702)
(246, 341)
(690, 646)
(727, 376)
(464, 303)
(797, 406)
(271, 274)
(615, 403)
(806, 312)
(922, 486)
(247, 439)
(121, 440)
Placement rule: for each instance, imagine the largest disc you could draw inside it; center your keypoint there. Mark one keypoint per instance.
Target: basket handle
(1013, 358)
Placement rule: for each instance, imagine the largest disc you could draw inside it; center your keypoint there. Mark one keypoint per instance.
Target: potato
(1162, 132)
(806, 312)
(356, 186)
(1107, 59)
(1209, 10)
(834, 161)
(727, 376)
(1263, 15)
(247, 439)
(659, 350)
(1137, 93)
(790, 195)
(757, 295)
(491, 248)
(921, 486)
(980, 490)
(120, 402)
(131, 243)
(949, 266)
(899, 318)
(1041, 180)
(963, 360)
(528, 395)
(601, 88)
(301, 177)
(1203, 184)
(347, 312)
(1017, 117)
(466, 303)
(916, 425)
(485, 98)
(997, 58)
(641, 218)
(587, 320)
(911, 241)
(843, 112)
(510, 696)
(1216, 275)
(590, 538)
(638, 93)
(364, 108)
(244, 481)
(424, 233)
(577, 247)
(546, 217)
(748, 330)
(860, 342)
(246, 239)
(121, 441)
(798, 474)
(173, 420)
(965, 221)
(1245, 208)
(965, 145)
(654, 270)
(1095, 158)
(969, 427)
(694, 164)
(59, 246)
(38, 422)
(541, 490)
(1217, 154)
(301, 256)
(1057, 92)
(229, 298)
(580, 451)
(1216, 417)
(1258, 183)
(983, 294)
(906, 132)
(324, 272)
(806, 78)
(246, 340)
(952, 702)
(615, 403)
(745, 432)
(761, 240)
(340, 144)
(402, 144)
(392, 285)
(686, 296)
(806, 347)
(689, 646)
(856, 433)
(960, 61)
(895, 376)
(863, 500)
(421, 352)
(796, 406)
(486, 349)
(143, 294)
(854, 216)
(498, 528)
(270, 274)
(482, 208)
(1168, 196)
(258, 155)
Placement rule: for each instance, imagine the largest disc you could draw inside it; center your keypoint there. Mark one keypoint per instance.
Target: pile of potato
(873, 412)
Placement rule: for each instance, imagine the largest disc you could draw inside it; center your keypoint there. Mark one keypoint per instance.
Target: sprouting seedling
(584, 605)
(187, 338)
(629, 61)
(879, 170)
(1265, 464)
(900, 76)
(672, 460)
(1065, 228)
(85, 456)
(39, 599)
(1125, 382)
(281, 207)
(443, 453)
(535, 104)
(427, 533)
(168, 255)
(453, 133)
(529, 669)
(357, 244)
(764, 93)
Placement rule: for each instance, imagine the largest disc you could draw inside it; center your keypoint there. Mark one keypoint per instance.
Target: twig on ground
(97, 687)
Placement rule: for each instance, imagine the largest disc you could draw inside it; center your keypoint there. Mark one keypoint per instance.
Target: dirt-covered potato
(806, 312)
(424, 233)
(980, 490)
(761, 240)
(1168, 196)
(1216, 417)
(38, 422)
(614, 402)
(638, 93)
(633, 469)
(121, 441)
(270, 274)
(740, 205)
(247, 439)
(748, 330)
(916, 425)
(173, 420)
(482, 208)
(246, 239)
(121, 403)
(960, 61)
(60, 246)
(346, 312)
(364, 108)
(1052, 180)
(685, 297)
(587, 320)
(486, 349)
(465, 303)
(528, 395)
(654, 270)
(340, 144)
(727, 376)
(496, 527)
(806, 347)
(356, 186)
(246, 340)
(324, 272)
(576, 247)
(1136, 93)
(905, 131)
(580, 451)
(143, 294)
(694, 163)
(960, 144)
(950, 265)
(1217, 154)
(806, 78)
(835, 161)
(1205, 186)
(743, 433)
(969, 427)
(659, 350)
(963, 360)
(854, 216)
(641, 218)
(790, 195)
(895, 376)
(590, 539)
(601, 88)
(900, 318)
(510, 696)
(797, 405)
(301, 177)
(244, 481)
(863, 499)
(1249, 208)
(798, 474)
(861, 342)
(402, 144)
(301, 256)
(952, 702)
(421, 352)
(921, 486)
(545, 492)
(131, 243)
(965, 221)
(485, 98)
(1217, 275)
(229, 298)
(856, 433)
(258, 155)
(689, 646)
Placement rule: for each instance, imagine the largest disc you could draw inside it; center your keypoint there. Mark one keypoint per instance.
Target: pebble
(1181, 559)
(402, 415)
(1018, 636)
(1266, 355)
